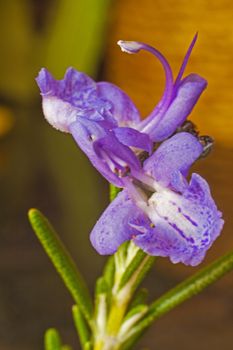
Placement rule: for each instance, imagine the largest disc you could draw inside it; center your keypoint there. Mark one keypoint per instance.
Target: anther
(207, 143)
(189, 127)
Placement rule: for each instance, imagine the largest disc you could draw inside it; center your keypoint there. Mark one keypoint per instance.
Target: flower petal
(46, 82)
(85, 132)
(113, 229)
(70, 89)
(74, 95)
(175, 154)
(123, 109)
(163, 241)
(185, 226)
(119, 157)
(134, 138)
(187, 95)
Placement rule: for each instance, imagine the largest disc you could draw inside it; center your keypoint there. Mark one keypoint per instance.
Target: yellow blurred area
(6, 121)
(169, 26)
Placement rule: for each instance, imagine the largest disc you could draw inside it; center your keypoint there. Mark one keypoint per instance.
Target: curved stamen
(134, 47)
(185, 61)
(118, 166)
(146, 180)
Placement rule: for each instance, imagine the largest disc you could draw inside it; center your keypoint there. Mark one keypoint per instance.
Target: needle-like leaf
(183, 291)
(62, 261)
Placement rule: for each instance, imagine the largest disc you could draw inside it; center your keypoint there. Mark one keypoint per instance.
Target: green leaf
(81, 326)
(136, 310)
(88, 346)
(66, 347)
(76, 35)
(183, 291)
(140, 259)
(134, 277)
(101, 286)
(109, 271)
(140, 298)
(52, 340)
(113, 192)
(132, 317)
(62, 261)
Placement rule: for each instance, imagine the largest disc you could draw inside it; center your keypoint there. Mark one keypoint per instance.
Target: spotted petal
(185, 226)
(113, 229)
(187, 95)
(175, 154)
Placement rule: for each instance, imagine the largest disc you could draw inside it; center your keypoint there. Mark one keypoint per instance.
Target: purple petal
(178, 182)
(71, 88)
(185, 226)
(123, 109)
(46, 82)
(77, 88)
(74, 95)
(185, 61)
(188, 93)
(85, 132)
(117, 156)
(164, 241)
(113, 229)
(134, 138)
(199, 191)
(175, 154)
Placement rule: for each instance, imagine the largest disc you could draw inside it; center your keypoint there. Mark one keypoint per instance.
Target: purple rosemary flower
(104, 121)
(159, 210)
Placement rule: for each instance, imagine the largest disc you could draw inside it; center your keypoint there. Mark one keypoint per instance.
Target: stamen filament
(146, 179)
(134, 47)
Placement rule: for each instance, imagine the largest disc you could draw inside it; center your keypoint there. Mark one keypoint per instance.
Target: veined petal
(134, 138)
(188, 93)
(123, 109)
(113, 229)
(185, 226)
(175, 154)
(199, 191)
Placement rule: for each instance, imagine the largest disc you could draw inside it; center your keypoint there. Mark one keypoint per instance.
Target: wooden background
(207, 321)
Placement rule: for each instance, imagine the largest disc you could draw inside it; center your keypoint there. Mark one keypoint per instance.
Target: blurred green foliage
(55, 34)
(38, 165)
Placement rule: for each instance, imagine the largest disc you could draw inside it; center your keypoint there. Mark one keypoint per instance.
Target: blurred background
(40, 167)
